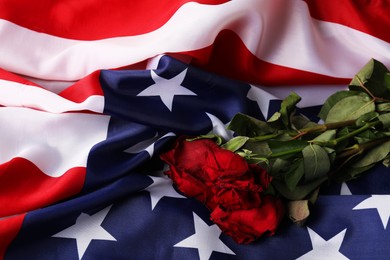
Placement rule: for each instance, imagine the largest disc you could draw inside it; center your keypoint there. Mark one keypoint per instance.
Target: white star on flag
(147, 145)
(86, 229)
(167, 88)
(206, 239)
(345, 190)
(323, 249)
(219, 128)
(378, 202)
(162, 187)
(261, 97)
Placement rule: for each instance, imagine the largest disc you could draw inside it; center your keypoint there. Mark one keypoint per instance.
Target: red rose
(230, 187)
(197, 166)
(247, 225)
(242, 191)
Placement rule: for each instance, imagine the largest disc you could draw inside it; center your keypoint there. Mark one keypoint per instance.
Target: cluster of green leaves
(301, 155)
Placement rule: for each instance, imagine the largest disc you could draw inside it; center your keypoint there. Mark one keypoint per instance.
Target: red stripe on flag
(371, 17)
(24, 187)
(90, 85)
(234, 60)
(83, 88)
(9, 227)
(15, 78)
(69, 18)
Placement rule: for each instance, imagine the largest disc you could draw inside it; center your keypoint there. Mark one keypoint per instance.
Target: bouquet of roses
(275, 167)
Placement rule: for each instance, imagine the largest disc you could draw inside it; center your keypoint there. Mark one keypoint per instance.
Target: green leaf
(325, 136)
(383, 107)
(368, 117)
(341, 133)
(277, 168)
(287, 172)
(385, 120)
(285, 137)
(217, 138)
(316, 162)
(258, 160)
(287, 107)
(333, 100)
(260, 148)
(331, 154)
(314, 196)
(367, 136)
(245, 125)
(351, 173)
(282, 148)
(386, 161)
(373, 155)
(300, 121)
(387, 80)
(235, 143)
(295, 174)
(252, 158)
(350, 108)
(375, 77)
(300, 192)
(275, 121)
(275, 117)
(360, 161)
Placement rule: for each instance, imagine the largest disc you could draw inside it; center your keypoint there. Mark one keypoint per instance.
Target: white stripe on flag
(285, 36)
(13, 94)
(55, 143)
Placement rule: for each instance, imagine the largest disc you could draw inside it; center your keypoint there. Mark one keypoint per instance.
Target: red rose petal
(245, 226)
(230, 187)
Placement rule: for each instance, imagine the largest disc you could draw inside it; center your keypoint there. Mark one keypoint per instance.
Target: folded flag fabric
(89, 185)
(87, 104)
(269, 42)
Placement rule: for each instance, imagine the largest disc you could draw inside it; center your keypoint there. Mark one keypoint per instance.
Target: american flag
(92, 92)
